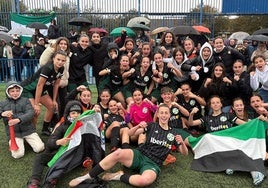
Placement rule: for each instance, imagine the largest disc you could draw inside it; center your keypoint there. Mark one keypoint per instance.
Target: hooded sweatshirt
(108, 61)
(206, 64)
(21, 109)
(60, 130)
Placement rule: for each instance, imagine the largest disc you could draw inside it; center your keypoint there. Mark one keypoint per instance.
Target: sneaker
(78, 180)
(229, 171)
(170, 159)
(46, 132)
(257, 177)
(112, 176)
(34, 183)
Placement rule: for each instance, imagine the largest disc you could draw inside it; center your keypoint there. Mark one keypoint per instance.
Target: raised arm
(192, 122)
(199, 99)
(183, 110)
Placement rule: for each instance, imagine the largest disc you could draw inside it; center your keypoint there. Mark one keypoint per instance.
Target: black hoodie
(59, 132)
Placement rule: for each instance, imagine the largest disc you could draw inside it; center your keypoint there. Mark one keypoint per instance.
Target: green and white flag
(19, 22)
(241, 148)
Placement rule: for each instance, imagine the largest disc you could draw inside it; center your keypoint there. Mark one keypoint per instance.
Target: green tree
(221, 24)
(249, 23)
(208, 17)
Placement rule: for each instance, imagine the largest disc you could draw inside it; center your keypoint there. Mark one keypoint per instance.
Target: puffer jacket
(21, 109)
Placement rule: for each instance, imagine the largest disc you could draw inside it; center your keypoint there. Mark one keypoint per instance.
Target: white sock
(117, 177)
(85, 177)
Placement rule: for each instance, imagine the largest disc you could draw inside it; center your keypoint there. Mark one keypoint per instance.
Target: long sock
(115, 137)
(45, 125)
(96, 170)
(125, 146)
(125, 178)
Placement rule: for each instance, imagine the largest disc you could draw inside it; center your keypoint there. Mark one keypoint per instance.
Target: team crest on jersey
(223, 118)
(145, 110)
(175, 111)
(146, 78)
(170, 137)
(58, 75)
(192, 102)
(165, 75)
(48, 83)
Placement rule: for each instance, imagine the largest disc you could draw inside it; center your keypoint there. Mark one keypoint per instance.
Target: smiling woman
(38, 87)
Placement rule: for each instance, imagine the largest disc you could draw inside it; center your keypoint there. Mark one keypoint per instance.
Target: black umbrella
(37, 25)
(261, 32)
(196, 38)
(184, 30)
(79, 21)
(261, 38)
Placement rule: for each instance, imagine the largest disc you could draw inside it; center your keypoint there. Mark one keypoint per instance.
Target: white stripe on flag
(18, 25)
(209, 144)
(90, 125)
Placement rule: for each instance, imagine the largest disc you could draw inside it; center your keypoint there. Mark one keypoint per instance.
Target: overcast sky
(161, 6)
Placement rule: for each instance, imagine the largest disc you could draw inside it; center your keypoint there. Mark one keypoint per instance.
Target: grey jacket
(21, 109)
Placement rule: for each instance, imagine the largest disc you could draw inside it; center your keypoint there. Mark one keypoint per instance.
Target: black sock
(115, 136)
(45, 126)
(125, 178)
(96, 170)
(125, 146)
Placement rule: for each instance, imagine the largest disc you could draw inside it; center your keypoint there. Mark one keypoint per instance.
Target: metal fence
(114, 13)
(17, 69)
(109, 14)
(21, 69)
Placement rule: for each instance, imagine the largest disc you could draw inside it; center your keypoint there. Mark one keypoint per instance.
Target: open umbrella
(202, 38)
(184, 30)
(138, 20)
(138, 26)
(261, 38)
(261, 32)
(97, 29)
(5, 36)
(79, 21)
(240, 35)
(159, 30)
(37, 25)
(201, 29)
(3, 28)
(21, 31)
(116, 32)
